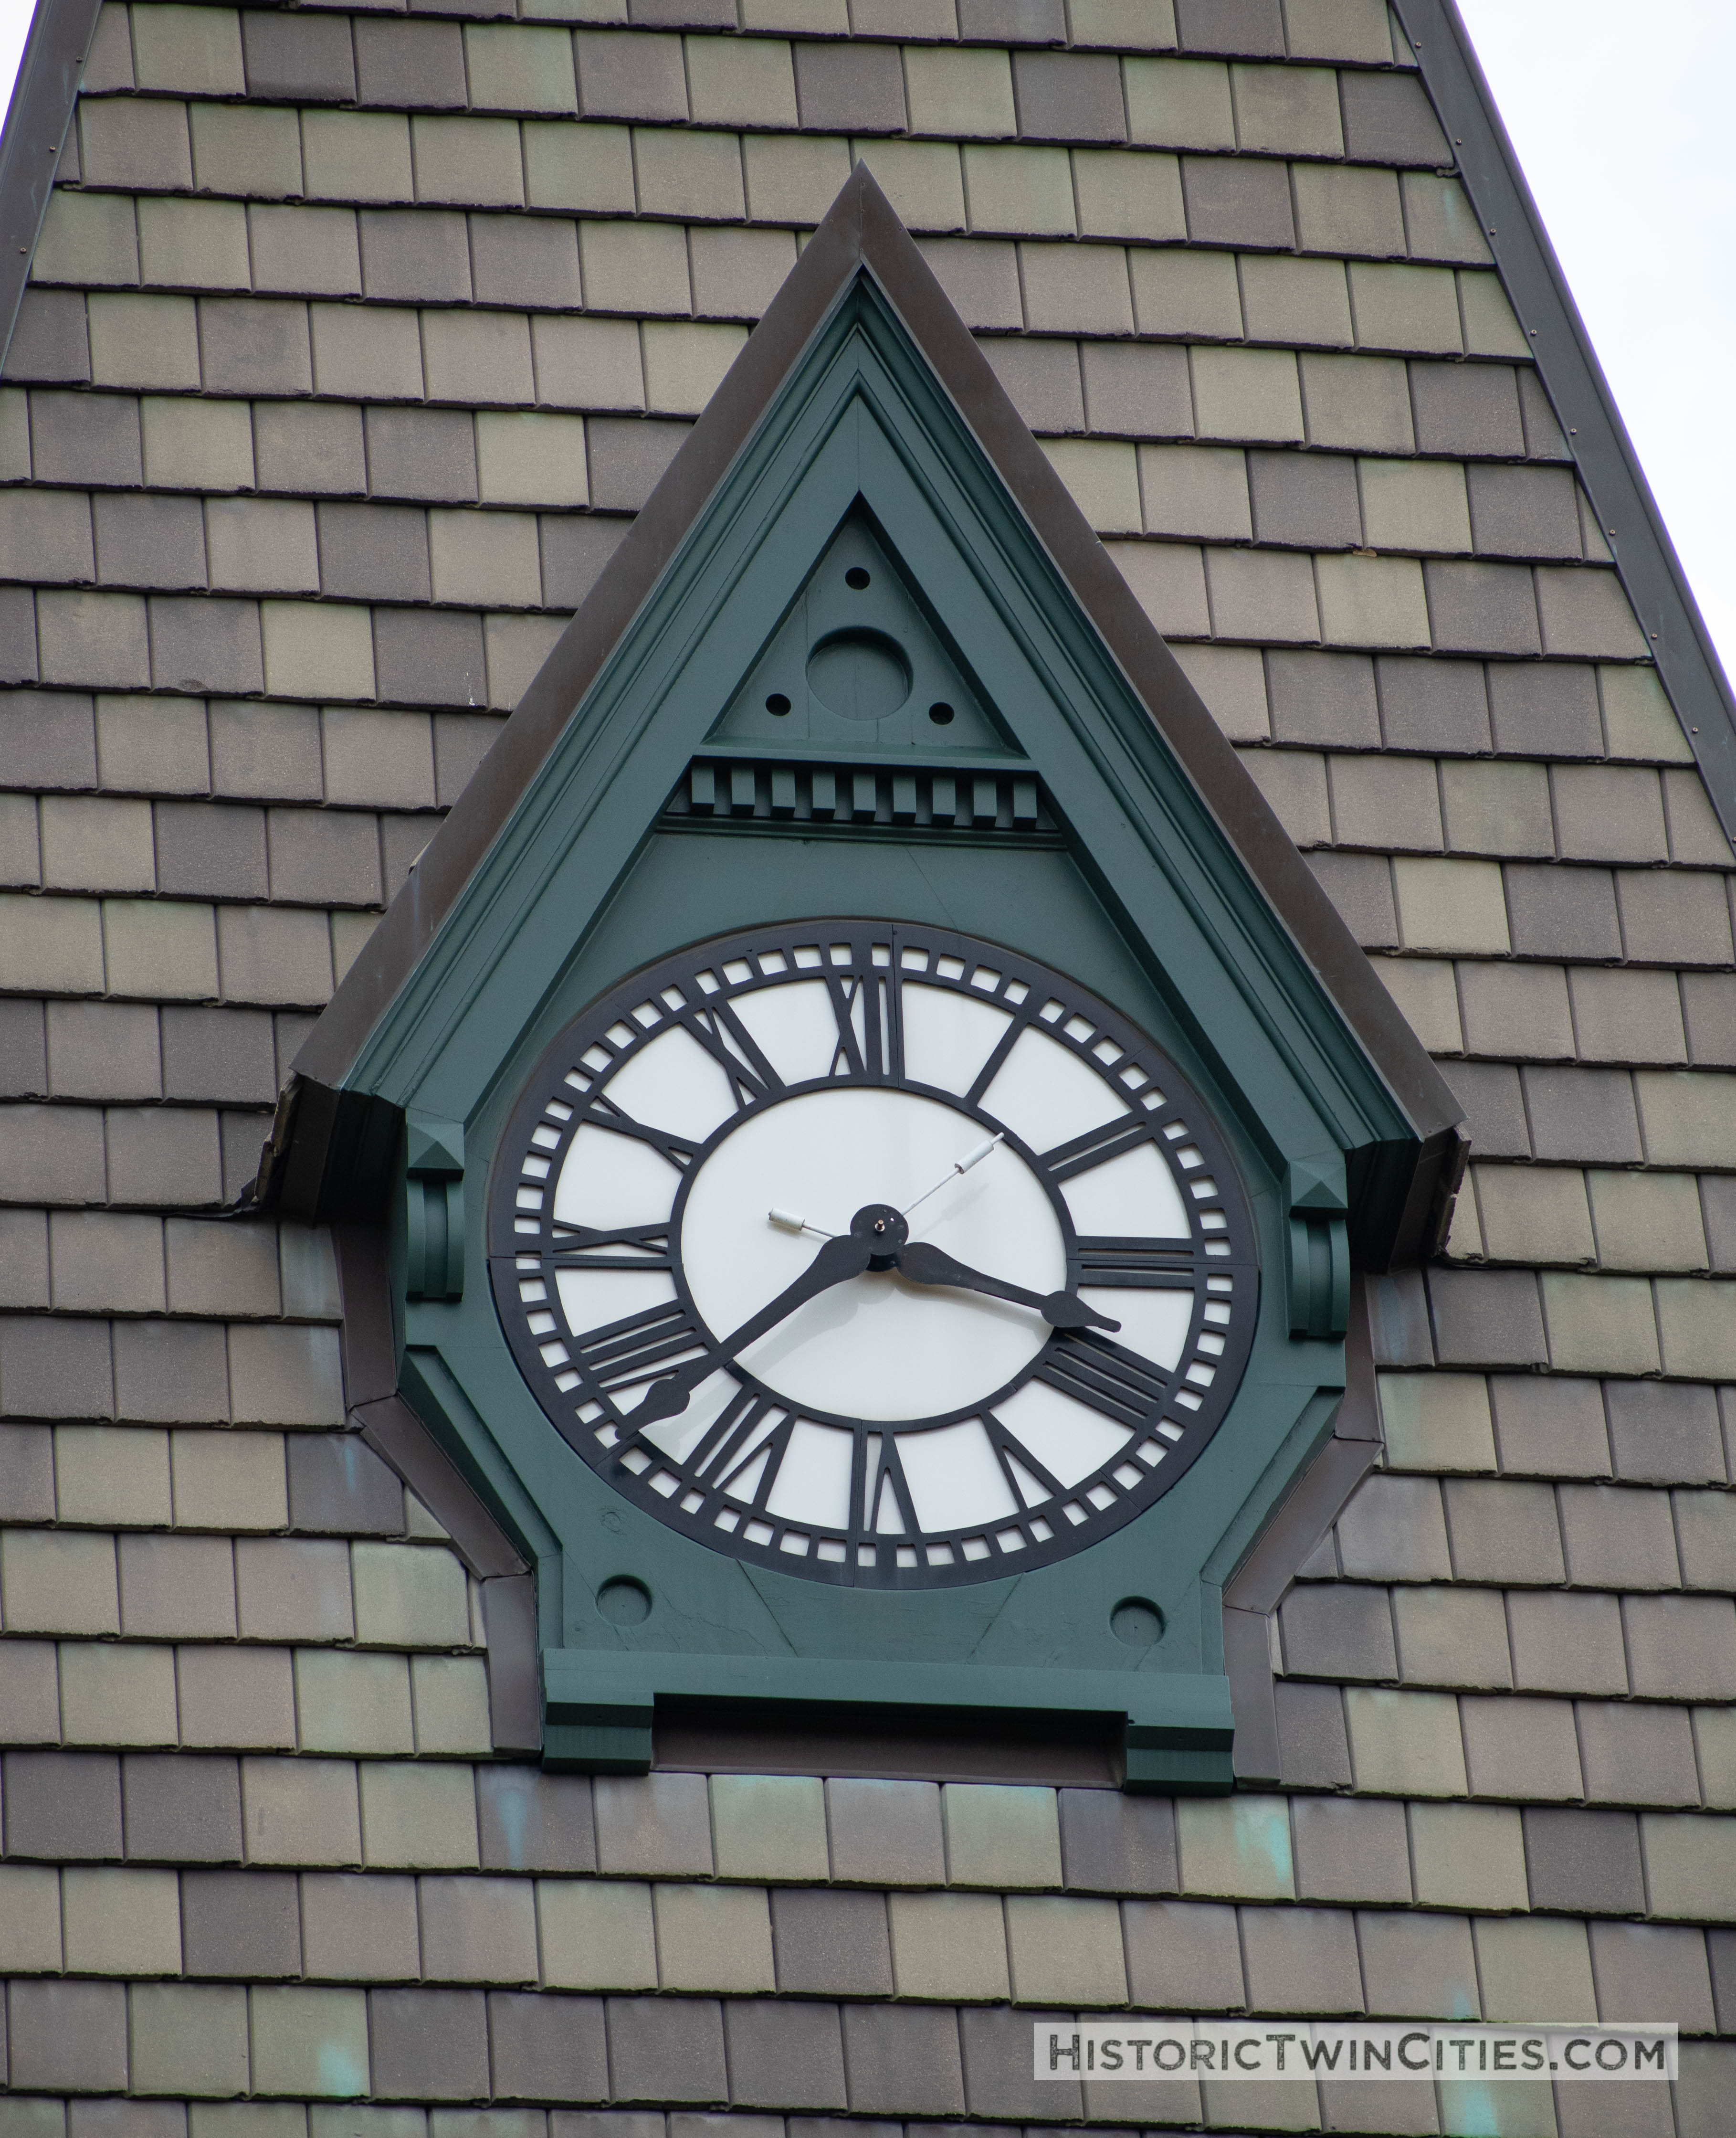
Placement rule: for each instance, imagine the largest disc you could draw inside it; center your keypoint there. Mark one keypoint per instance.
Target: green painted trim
(1310, 1433)
(849, 800)
(1177, 1729)
(438, 1400)
(460, 1378)
(863, 415)
(1172, 1771)
(1108, 865)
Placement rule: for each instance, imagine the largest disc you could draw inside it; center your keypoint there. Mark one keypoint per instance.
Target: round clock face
(876, 1254)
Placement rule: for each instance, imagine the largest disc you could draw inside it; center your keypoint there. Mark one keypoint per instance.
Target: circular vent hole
(941, 714)
(624, 1601)
(1137, 1621)
(861, 675)
(778, 704)
(855, 577)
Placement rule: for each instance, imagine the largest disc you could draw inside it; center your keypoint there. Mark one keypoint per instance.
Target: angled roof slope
(349, 351)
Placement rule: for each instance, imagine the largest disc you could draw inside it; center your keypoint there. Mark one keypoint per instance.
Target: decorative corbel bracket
(1319, 1247)
(434, 1206)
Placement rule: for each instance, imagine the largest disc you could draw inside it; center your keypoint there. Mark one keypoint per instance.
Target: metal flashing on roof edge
(1267, 1572)
(37, 121)
(374, 1410)
(1645, 558)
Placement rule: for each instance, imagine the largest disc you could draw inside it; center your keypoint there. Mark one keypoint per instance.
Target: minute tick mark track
(851, 1410)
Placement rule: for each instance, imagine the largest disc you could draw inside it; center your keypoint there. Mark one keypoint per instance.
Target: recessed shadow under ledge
(772, 1738)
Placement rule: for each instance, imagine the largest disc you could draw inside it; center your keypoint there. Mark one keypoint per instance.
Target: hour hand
(924, 1263)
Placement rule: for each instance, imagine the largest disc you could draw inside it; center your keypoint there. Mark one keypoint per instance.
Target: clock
(876, 1254)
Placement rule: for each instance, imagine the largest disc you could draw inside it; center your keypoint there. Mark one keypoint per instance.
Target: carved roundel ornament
(879, 1255)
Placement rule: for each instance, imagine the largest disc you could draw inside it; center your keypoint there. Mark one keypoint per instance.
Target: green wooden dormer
(861, 686)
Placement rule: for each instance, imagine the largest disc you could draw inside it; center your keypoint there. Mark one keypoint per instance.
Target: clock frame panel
(1171, 1414)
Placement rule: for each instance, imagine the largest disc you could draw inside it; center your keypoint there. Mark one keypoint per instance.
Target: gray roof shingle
(345, 357)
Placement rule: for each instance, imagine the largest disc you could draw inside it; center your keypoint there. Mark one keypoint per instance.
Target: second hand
(959, 1166)
(792, 1221)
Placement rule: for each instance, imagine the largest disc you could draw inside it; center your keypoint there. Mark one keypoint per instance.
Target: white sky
(1620, 118)
(1619, 129)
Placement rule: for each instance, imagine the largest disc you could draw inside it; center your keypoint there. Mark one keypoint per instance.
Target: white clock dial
(900, 1350)
(880, 1253)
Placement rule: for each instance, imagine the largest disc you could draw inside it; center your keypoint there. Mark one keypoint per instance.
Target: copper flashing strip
(37, 121)
(1260, 1583)
(1567, 366)
(401, 1440)
(515, 1685)
(386, 1421)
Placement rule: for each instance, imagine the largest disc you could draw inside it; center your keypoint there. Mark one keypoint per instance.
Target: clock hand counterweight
(792, 1221)
(924, 1263)
(959, 1165)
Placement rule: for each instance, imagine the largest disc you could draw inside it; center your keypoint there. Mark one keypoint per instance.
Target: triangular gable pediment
(860, 661)
(862, 429)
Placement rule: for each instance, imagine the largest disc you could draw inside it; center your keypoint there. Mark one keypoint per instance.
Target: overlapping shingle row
(353, 337)
(608, 1891)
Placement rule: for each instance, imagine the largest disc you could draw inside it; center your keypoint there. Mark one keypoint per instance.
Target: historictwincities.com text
(1149, 2048)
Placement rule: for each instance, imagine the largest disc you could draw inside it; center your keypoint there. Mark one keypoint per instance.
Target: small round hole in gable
(861, 675)
(624, 1601)
(1137, 1621)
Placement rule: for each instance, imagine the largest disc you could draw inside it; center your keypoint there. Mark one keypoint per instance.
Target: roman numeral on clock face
(1120, 1383)
(626, 1247)
(1157, 1265)
(865, 1007)
(640, 1346)
(752, 1080)
(679, 1152)
(1013, 1457)
(881, 1490)
(1096, 1147)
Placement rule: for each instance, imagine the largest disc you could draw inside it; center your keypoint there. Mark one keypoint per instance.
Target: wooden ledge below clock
(623, 1711)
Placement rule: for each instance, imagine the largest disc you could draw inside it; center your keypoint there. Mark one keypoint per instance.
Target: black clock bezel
(1178, 1420)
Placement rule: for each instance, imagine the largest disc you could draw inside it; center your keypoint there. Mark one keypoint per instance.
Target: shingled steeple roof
(346, 349)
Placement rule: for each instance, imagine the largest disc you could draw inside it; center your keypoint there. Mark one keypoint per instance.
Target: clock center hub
(880, 1223)
(875, 1346)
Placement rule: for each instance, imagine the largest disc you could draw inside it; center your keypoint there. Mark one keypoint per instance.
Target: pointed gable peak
(860, 550)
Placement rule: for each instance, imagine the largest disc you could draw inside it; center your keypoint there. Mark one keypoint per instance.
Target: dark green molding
(1097, 823)
(793, 793)
(433, 1207)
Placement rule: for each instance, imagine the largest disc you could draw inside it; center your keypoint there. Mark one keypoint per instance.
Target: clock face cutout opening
(884, 1432)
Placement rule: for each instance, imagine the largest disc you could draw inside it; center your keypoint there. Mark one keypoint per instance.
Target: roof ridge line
(45, 89)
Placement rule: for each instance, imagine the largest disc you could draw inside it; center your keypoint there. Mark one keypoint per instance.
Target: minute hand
(924, 1263)
(839, 1260)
